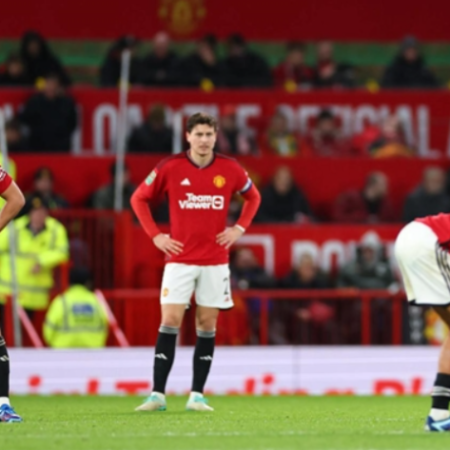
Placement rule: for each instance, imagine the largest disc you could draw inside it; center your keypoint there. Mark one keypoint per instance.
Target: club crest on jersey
(165, 292)
(149, 180)
(219, 181)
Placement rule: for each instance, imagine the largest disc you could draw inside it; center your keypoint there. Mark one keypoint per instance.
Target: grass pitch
(239, 423)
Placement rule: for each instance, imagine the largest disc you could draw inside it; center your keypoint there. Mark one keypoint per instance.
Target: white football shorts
(211, 285)
(424, 264)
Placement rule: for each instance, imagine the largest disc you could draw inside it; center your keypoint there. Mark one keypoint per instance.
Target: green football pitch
(238, 423)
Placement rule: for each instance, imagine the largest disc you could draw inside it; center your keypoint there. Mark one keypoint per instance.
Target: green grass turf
(239, 423)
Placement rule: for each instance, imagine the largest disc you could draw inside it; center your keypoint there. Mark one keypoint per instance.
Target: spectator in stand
(429, 198)
(231, 139)
(51, 117)
(247, 273)
(104, 197)
(408, 70)
(306, 276)
(14, 74)
(371, 205)
(330, 74)
(43, 187)
(391, 141)
(157, 66)
(15, 138)
(283, 201)
(202, 67)
(153, 136)
(244, 68)
(326, 139)
(370, 269)
(110, 69)
(280, 140)
(40, 62)
(293, 73)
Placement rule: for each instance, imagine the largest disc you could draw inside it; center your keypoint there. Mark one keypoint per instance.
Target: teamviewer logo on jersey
(202, 202)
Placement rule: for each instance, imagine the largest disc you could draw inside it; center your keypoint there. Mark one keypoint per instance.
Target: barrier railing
(364, 311)
(100, 240)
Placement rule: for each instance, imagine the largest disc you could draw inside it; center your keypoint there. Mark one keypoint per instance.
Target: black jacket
(192, 70)
(8, 81)
(293, 281)
(281, 208)
(404, 74)
(248, 70)
(111, 67)
(158, 71)
(420, 204)
(51, 122)
(146, 139)
(44, 64)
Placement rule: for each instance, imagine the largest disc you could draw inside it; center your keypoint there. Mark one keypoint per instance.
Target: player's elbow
(15, 199)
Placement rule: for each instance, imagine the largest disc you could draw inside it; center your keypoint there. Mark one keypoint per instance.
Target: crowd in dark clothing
(34, 62)
(240, 67)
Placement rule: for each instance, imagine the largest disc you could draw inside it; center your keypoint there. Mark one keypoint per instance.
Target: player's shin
(203, 357)
(164, 356)
(4, 373)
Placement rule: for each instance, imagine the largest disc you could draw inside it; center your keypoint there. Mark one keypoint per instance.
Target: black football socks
(4, 370)
(203, 357)
(164, 356)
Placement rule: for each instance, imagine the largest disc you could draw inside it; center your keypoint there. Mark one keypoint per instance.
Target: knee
(171, 320)
(206, 323)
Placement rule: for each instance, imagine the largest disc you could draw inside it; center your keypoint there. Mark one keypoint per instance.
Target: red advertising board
(283, 20)
(425, 115)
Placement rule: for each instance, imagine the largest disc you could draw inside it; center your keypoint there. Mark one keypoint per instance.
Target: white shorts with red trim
(211, 285)
(424, 264)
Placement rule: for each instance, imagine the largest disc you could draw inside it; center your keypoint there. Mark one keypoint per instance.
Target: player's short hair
(201, 119)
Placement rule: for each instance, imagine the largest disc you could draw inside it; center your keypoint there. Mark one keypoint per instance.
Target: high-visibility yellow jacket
(48, 248)
(76, 319)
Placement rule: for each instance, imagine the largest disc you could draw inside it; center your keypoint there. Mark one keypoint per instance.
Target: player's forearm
(250, 208)
(142, 211)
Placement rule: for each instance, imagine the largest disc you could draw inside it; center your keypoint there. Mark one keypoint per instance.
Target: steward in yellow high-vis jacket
(76, 318)
(41, 245)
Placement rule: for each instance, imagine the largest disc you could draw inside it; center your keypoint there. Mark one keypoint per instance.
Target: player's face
(202, 139)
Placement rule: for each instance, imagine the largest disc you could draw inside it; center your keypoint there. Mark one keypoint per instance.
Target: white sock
(160, 396)
(439, 414)
(194, 394)
(4, 401)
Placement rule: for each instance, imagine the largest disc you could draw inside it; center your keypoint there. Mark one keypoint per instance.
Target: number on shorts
(225, 280)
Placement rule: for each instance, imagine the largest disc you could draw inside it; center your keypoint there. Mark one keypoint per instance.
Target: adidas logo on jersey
(185, 182)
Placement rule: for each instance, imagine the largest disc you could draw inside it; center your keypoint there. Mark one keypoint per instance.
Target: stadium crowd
(237, 67)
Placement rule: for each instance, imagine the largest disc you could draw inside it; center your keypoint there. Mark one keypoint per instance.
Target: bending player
(422, 251)
(13, 196)
(199, 185)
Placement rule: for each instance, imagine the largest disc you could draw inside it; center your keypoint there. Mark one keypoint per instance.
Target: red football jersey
(5, 180)
(198, 198)
(440, 224)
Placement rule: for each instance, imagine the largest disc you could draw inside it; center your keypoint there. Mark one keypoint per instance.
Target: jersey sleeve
(5, 180)
(151, 188)
(154, 185)
(243, 181)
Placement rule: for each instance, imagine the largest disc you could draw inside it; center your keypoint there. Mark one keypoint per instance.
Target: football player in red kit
(14, 203)
(199, 185)
(422, 252)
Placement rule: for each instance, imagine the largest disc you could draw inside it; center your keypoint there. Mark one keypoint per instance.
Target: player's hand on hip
(228, 237)
(168, 245)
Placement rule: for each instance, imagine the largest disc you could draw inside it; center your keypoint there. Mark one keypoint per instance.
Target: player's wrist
(240, 228)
